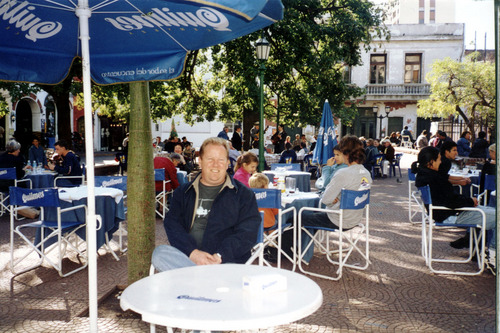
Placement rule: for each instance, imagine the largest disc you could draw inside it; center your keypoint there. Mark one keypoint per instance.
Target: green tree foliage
(309, 49)
(461, 88)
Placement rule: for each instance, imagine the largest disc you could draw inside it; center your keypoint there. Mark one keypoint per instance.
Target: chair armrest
(67, 209)
(23, 181)
(472, 209)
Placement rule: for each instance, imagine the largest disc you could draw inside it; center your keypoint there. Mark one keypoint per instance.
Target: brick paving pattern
(397, 293)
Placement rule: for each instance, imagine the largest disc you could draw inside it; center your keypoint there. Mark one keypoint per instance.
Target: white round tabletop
(211, 297)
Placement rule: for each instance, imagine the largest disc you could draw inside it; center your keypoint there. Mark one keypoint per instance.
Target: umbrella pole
(83, 12)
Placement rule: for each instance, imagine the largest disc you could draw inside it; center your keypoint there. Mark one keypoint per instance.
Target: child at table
(259, 180)
(245, 166)
(333, 164)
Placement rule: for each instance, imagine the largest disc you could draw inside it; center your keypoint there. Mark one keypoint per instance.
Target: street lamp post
(262, 47)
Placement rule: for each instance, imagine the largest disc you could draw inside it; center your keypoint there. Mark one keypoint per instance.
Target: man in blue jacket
(213, 219)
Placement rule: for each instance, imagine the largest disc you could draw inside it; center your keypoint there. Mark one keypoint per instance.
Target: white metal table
(211, 297)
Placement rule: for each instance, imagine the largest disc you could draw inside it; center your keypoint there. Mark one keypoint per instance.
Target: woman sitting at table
(427, 172)
(246, 165)
(12, 159)
(288, 155)
(354, 177)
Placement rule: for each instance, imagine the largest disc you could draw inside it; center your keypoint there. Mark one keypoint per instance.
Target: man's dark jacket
(233, 221)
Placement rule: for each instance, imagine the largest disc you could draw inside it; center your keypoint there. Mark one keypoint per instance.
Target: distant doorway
(24, 126)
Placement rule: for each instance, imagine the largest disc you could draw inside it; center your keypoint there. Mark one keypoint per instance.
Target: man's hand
(475, 202)
(464, 181)
(204, 258)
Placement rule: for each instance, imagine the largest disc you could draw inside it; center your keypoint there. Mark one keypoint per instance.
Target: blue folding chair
(271, 198)
(377, 165)
(476, 242)
(286, 166)
(334, 249)
(9, 174)
(56, 235)
(161, 196)
(395, 164)
(489, 186)
(258, 249)
(118, 182)
(309, 166)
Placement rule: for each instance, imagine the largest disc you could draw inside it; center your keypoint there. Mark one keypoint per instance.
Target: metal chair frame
(428, 225)
(64, 231)
(324, 240)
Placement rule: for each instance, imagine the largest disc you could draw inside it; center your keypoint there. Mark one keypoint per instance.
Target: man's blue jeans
(166, 257)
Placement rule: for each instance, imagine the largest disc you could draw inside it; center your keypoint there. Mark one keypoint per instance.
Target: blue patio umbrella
(327, 139)
(118, 41)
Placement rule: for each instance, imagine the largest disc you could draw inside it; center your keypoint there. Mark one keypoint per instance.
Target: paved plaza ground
(397, 293)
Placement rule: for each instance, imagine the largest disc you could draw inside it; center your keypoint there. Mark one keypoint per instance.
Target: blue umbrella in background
(327, 139)
(119, 41)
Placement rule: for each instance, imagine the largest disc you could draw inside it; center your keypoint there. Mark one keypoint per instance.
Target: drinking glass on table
(290, 184)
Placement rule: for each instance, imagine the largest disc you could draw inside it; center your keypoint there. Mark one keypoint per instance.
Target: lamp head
(262, 48)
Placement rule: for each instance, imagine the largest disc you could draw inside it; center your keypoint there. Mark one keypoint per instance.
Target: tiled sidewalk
(396, 294)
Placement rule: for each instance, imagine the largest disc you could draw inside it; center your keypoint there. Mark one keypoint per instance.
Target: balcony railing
(415, 89)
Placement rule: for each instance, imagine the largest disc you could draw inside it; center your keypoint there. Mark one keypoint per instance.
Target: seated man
(67, 165)
(169, 164)
(288, 155)
(37, 154)
(211, 220)
(12, 159)
(448, 154)
(389, 153)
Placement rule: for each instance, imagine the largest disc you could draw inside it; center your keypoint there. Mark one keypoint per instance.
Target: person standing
(254, 135)
(237, 140)
(279, 139)
(213, 219)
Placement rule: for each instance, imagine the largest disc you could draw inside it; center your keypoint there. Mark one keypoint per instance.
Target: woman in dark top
(11, 159)
(442, 193)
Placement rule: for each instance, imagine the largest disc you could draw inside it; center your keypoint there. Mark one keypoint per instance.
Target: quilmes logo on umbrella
(20, 14)
(330, 132)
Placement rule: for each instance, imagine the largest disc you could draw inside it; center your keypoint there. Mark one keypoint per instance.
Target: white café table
(211, 297)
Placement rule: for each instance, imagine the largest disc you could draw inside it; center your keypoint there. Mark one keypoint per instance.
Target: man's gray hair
(175, 156)
(12, 146)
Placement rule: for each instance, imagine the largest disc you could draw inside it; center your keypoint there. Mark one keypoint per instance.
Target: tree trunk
(140, 188)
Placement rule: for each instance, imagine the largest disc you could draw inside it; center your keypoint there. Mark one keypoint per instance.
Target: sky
(479, 19)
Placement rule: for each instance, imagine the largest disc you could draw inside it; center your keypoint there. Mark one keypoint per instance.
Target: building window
(413, 64)
(346, 74)
(421, 12)
(157, 127)
(377, 68)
